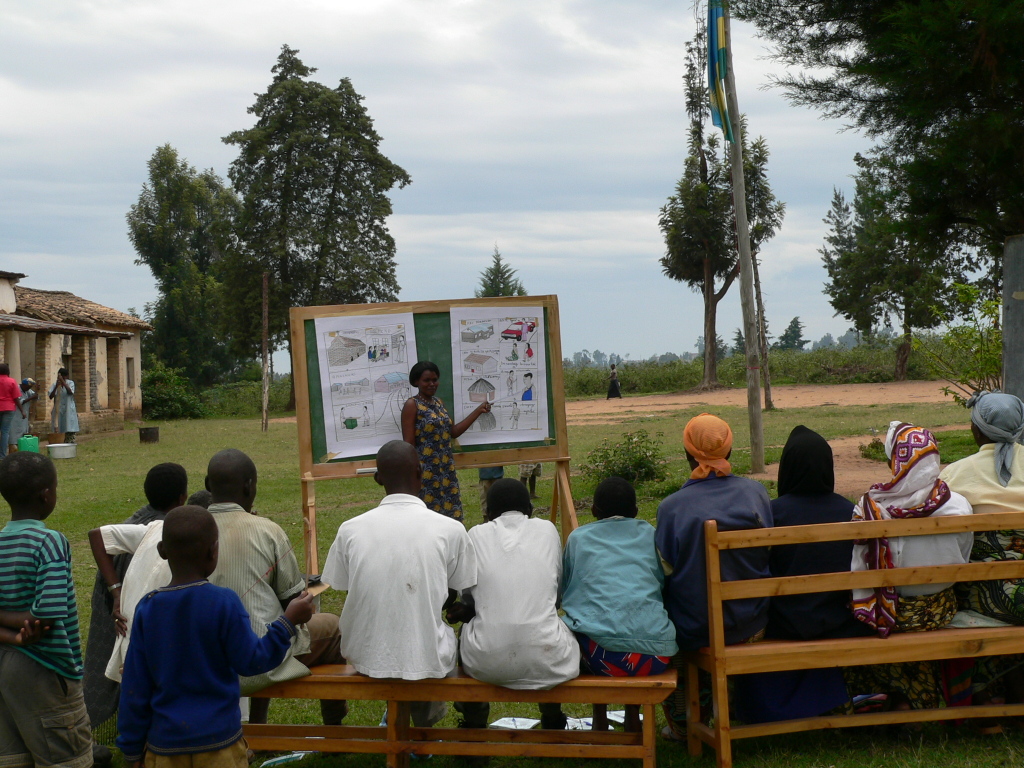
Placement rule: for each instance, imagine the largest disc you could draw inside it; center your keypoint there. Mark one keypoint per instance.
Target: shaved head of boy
(614, 497)
(189, 544)
(231, 478)
(508, 495)
(28, 482)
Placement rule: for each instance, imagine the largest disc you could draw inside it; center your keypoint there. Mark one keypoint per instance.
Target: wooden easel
(555, 450)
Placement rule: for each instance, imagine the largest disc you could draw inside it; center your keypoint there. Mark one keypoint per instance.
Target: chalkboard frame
(309, 406)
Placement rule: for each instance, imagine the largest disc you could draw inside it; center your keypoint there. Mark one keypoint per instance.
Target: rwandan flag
(717, 64)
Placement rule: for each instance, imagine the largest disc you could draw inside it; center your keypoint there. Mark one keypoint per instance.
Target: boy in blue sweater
(190, 642)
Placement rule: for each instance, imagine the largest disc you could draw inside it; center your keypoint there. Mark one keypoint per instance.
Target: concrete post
(1013, 316)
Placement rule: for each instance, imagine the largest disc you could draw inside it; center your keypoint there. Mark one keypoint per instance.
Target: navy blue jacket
(179, 690)
(737, 503)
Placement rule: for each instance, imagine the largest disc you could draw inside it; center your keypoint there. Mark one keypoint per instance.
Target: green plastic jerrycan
(28, 443)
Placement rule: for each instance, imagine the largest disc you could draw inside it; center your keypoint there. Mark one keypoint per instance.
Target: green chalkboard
(434, 343)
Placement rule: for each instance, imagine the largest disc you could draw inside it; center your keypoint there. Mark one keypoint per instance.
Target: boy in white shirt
(511, 635)
(401, 565)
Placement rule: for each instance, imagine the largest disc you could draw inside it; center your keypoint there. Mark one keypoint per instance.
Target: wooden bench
(722, 660)
(398, 739)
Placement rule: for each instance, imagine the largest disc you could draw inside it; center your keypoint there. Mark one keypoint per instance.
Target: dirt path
(854, 473)
(787, 396)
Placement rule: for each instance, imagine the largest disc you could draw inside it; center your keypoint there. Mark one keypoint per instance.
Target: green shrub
(864, 364)
(245, 398)
(875, 450)
(167, 394)
(636, 457)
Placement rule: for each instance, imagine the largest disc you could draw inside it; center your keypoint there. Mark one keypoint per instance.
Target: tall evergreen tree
(499, 279)
(881, 268)
(314, 188)
(793, 336)
(940, 83)
(181, 229)
(697, 221)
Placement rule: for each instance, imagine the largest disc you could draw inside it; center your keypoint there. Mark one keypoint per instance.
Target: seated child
(513, 636)
(43, 720)
(612, 580)
(192, 640)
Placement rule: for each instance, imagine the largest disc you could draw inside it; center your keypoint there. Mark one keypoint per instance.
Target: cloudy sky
(552, 128)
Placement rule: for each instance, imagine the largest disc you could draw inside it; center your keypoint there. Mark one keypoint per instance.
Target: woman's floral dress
(440, 489)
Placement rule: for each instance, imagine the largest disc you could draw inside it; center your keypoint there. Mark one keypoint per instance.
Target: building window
(65, 362)
(129, 369)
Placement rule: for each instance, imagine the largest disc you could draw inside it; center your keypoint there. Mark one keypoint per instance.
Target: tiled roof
(65, 307)
(34, 325)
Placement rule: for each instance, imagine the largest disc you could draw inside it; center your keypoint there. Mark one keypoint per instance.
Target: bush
(637, 457)
(245, 398)
(167, 394)
(835, 365)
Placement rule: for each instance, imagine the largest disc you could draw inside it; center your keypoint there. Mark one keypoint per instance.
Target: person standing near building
(64, 417)
(9, 394)
(22, 424)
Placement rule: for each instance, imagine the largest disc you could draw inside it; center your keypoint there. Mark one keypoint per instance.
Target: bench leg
(693, 741)
(398, 730)
(723, 728)
(650, 736)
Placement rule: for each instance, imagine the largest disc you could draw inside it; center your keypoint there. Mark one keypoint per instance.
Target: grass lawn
(104, 485)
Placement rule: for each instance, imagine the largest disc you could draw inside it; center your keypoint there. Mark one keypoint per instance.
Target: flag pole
(739, 196)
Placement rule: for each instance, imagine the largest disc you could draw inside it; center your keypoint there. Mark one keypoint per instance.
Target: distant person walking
(64, 417)
(9, 394)
(614, 390)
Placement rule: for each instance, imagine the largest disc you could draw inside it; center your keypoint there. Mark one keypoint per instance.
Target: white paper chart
(499, 357)
(364, 379)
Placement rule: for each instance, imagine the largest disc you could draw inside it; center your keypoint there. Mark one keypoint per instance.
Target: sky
(553, 129)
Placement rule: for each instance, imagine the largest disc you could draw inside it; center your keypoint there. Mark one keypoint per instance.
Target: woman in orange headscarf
(713, 492)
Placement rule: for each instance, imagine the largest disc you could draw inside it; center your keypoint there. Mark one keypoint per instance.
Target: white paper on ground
(515, 723)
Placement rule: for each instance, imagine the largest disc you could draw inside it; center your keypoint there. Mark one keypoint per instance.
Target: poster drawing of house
(481, 391)
(390, 382)
(349, 388)
(344, 350)
(477, 363)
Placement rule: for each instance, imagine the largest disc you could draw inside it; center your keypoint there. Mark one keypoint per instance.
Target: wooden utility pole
(739, 196)
(1013, 316)
(266, 354)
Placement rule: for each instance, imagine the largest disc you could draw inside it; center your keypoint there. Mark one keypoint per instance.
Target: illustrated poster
(499, 356)
(364, 379)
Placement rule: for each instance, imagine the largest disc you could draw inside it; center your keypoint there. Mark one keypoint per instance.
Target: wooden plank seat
(722, 660)
(398, 739)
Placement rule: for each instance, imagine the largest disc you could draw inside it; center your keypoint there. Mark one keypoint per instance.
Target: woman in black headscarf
(806, 496)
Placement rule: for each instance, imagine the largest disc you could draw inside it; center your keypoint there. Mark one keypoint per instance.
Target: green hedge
(859, 365)
(245, 398)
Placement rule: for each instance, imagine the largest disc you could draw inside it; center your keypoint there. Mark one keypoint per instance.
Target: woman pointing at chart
(427, 426)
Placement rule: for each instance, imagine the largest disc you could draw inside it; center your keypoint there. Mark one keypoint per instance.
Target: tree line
(305, 203)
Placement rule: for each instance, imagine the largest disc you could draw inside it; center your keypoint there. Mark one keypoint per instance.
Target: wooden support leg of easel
(309, 524)
(563, 492)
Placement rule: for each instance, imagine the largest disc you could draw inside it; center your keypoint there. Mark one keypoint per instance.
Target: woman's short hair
(5, 369)
(420, 368)
(614, 497)
(508, 495)
(63, 372)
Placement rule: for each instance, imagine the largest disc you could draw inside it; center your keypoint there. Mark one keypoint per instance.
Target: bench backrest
(715, 541)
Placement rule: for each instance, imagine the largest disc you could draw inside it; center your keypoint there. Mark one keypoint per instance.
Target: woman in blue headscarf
(993, 481)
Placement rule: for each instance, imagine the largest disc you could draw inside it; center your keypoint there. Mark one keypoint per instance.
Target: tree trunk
(762, 340)
(710, 379)
(903, 352)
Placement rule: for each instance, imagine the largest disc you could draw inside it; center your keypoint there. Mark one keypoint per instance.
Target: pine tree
(739, 346)
(499, 279)
(793, 336)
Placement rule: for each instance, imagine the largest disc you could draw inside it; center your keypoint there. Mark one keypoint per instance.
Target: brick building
(41, 331)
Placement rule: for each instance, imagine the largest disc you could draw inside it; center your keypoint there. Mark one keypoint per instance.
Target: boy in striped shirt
(42, 711)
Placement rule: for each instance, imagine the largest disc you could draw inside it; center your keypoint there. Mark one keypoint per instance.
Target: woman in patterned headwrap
(914, 491)
(992, 480)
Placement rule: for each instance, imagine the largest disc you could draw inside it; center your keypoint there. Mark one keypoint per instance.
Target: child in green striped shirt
(42, 718)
